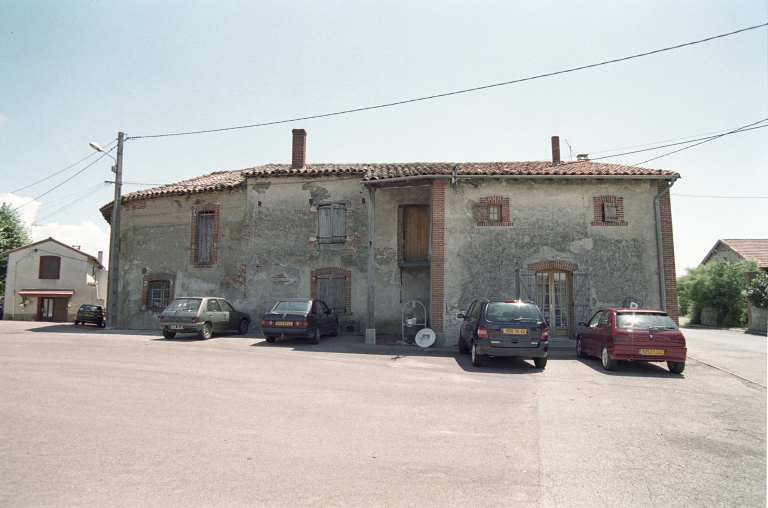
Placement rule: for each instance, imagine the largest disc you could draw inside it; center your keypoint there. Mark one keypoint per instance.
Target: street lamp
(114, 237)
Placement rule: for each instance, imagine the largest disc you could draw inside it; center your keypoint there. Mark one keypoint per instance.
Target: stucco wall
(23, 273)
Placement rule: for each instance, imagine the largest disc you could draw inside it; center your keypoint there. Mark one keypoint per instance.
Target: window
(205, 237)
(213, 306)
(494, 212)
(609, 212)
(158, 293)
(332, 223)
(49, 267)
(413, 233)
(330, 289)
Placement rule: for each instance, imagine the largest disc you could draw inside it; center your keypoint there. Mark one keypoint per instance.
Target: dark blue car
(299, 318)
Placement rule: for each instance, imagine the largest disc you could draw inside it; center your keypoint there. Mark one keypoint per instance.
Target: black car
(504, 328)
(300, 318)
(93, 314)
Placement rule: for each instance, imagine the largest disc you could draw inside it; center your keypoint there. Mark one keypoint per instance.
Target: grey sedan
(202, 315)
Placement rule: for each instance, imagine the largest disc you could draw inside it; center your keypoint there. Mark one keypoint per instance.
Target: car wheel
(540, 363)
(477, 358)
(335, 331)
(243, 328)
(608, 364)
(77, 323)
(579, 351)
(169, 334)
(103, 324)
(316, 336)
(676, 367)
(270, 339)
(205, 332)
(463, 348)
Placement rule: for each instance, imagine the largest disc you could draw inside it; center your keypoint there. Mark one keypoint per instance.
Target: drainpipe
(659, 249)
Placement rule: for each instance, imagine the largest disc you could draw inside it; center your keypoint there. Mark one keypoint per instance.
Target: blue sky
(80, 71)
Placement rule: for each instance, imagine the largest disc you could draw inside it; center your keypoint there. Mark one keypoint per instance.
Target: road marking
(728, 371)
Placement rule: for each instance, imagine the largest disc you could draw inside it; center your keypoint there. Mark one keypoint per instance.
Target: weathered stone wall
(759, 322)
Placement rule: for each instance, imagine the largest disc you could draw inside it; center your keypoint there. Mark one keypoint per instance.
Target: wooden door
(415, 233)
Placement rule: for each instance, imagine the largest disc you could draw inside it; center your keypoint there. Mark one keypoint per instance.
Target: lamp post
(114, 237)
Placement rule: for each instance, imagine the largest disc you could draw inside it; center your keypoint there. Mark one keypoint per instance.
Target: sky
(81, 71)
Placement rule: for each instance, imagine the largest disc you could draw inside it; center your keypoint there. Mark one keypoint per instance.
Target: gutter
(518, 177)
(659, 249)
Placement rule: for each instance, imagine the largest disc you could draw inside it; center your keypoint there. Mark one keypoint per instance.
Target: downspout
(659, 249)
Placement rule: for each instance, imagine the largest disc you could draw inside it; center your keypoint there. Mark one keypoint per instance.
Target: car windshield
(644, 321)
(191, 304)
(292, 307)
(508, 312)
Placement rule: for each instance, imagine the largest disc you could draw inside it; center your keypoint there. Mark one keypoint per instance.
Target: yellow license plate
(514, 331)
(651, 352)
(283, 323)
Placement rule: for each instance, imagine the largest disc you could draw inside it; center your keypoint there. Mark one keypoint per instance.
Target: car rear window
(191, 304)
(507, 312)
(644, 321)
(291, 307)
(90, 308)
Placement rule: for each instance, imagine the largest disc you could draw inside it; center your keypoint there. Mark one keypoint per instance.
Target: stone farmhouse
(370, 238)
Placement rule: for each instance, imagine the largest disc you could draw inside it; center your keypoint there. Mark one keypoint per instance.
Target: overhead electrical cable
(87, 193)
(447, 94)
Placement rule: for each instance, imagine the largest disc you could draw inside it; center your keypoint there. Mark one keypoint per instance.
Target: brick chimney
(299, 148)
(555, 150)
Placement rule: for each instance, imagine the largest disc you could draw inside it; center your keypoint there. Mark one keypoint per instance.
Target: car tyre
(676, 367)
(477, 358)
(316, 336)
(169, 334)
(103, 324)
(335, 331)
(605, 358)
(540, 362)
(243, 328)
(270, 339)
(579, 351)
(463, 348)
(206, 332)
(77, 323)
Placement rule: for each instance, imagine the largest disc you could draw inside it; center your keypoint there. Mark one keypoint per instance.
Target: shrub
(718, 286)
(757, 291)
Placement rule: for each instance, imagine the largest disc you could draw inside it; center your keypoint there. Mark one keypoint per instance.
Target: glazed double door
(552, 299)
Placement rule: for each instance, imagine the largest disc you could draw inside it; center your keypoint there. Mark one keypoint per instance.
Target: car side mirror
(330, 311)
(582, 323)
(460, 316)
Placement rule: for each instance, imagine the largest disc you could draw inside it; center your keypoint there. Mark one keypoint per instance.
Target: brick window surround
(155, 277)
(50, 267)
(598, 210)
(482, 215)
(193, 237)
(347, 285)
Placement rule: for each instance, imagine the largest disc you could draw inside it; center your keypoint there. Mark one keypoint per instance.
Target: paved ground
(90, 417)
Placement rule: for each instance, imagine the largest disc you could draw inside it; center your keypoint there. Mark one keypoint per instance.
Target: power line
(85, 194)
(447, 94)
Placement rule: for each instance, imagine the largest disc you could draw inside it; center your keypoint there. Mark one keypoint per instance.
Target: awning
(48, 293)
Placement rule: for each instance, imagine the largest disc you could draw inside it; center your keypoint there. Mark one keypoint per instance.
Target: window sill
(414, 264)
(494, 223)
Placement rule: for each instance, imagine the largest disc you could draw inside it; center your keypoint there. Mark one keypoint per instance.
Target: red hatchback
(634, 335)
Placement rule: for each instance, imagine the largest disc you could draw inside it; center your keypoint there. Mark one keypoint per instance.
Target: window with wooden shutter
(415, 233)
(494, 212)
(330, 289)
(205, 237)
(609, 212)
(481, 211)
(49, 267)
(332, 223)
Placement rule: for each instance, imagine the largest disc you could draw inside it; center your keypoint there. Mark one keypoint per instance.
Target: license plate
(283, 323)
(176, 327)
(656, 352)
(514, 331)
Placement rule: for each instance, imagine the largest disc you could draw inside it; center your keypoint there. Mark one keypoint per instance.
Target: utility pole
(114, 240)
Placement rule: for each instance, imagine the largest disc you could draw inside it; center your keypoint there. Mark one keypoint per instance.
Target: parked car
(504, 328)
(634, 335)
(301, 318)
(202, 315)
(91, 314)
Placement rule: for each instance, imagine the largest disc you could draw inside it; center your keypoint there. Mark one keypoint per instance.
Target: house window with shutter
(334, 287)
(332, 227)
(492, 211)
(608, 211)
(204, 240)
(50, 267)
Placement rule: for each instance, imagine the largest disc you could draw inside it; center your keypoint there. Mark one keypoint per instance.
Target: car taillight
(482, 332)
(681, 340)
(195, 319)
(301, 323)
(267, 322)
(544, 334)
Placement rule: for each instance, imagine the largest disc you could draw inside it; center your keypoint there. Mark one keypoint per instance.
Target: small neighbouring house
(49, 280)
(370, 239)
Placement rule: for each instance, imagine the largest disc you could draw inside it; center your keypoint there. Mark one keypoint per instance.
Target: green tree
(719, 287)
(757, 291)
(12, 234)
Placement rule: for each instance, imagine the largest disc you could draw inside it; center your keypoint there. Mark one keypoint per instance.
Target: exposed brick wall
(347, 285)
(164, 277)
(400, 234)
(208, 207)
(562, 266)
(437, 277)
(503, 203)
(668, 253)
(597, 203)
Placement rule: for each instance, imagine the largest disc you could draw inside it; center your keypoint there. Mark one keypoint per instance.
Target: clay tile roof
(755, 250)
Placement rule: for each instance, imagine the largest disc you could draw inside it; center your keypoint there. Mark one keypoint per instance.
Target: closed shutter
(325, 226)
(609, 212)
(205, 237)
(339, 223)
(481, 211)
(415, 233)
(581, 310)
(330, 289)
(526, 285)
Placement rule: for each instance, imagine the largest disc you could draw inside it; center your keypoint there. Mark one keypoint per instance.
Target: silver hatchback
(202, 315)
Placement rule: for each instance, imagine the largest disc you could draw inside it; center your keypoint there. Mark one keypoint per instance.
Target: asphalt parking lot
(93, 417)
